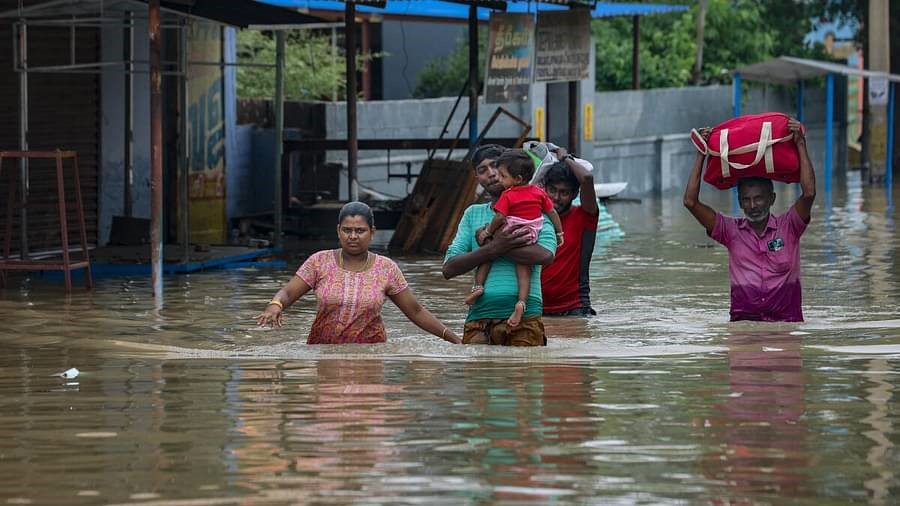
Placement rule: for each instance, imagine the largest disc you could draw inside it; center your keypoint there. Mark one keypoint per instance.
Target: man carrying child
(486, 322)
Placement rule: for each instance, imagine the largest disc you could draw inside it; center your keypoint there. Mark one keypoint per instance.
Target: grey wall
(642, 136)
(248, 191)
(113, 130)
(406, 55)
(661, 164)
(112, 112)
(636, 114)
(413, 119)
(630, 114)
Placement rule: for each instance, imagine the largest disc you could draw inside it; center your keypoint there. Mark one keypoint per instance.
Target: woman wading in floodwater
(350, 285)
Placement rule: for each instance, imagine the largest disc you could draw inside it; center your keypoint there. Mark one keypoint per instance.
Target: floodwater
(658, 400)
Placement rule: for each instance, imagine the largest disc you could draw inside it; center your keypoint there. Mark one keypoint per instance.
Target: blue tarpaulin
(438, 9)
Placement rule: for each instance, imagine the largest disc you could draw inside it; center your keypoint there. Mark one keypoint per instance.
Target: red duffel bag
(757, 145)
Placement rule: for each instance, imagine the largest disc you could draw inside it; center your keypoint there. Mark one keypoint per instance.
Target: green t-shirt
(500, 288)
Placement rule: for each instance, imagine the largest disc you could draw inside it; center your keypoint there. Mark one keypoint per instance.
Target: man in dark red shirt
(565, 283)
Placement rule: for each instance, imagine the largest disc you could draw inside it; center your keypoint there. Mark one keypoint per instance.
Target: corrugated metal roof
(789, 70)
(240, 13)
(453, 10)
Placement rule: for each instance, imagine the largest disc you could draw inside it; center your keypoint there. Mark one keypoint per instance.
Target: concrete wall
(643, 136)
(640, 136)
(112, 142)
(661, 164)
(631, 114)
(648, 113)
(406, 56)
(413, 119)
(113, 129)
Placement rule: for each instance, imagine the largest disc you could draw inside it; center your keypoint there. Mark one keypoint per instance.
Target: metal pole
(128, 174)
(184, 179)
(72, 44)
(889, 160)
(156, 188)
(636, 52)
(701, 28)
(573, 116)
(736, 111)
(829, 118)
(279, 133)
(366, 70)
(23, 138)
(352, 145)
(801, 85)
(473, 76)
(334, 90)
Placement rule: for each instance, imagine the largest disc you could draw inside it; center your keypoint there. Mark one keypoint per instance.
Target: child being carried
(520, 204)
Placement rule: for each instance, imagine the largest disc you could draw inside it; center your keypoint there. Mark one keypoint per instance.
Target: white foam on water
(870, 349)
(562, 349)
(851, 325)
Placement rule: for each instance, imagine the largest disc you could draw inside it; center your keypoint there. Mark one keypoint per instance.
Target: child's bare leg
(478, 288)
(523, 279)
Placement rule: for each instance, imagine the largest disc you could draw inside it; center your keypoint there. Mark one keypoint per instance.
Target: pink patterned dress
(349, 303)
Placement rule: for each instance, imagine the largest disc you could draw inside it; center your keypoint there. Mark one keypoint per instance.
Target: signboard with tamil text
(562, 46)
(509, 58)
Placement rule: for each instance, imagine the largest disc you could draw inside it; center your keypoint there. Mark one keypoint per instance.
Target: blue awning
(451, 10)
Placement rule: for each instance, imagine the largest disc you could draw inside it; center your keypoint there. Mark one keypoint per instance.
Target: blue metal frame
(735, 111)
(241, 260)
(452, 10)
(801, 116)
(829, 136)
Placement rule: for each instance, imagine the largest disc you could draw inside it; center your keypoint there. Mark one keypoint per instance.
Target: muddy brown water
(657, 400)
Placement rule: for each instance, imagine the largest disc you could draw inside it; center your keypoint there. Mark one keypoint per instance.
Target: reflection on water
(657, 400)
(760, 420)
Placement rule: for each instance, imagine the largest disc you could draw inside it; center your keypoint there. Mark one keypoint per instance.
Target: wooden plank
(443, 190)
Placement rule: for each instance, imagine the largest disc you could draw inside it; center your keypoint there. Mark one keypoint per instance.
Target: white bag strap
(763, 150)
(696, 138)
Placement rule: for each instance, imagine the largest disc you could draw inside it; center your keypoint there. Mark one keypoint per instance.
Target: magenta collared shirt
(764, 271)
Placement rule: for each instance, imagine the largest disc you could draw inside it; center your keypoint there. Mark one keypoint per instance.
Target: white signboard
(878, 91)
(562, 46)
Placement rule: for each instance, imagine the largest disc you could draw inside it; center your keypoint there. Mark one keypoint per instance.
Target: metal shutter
(63, 113)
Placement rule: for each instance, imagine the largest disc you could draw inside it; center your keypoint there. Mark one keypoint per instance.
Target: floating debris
(69, 373)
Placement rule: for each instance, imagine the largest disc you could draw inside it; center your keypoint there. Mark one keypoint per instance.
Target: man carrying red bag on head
(763, 249)
(753, 145)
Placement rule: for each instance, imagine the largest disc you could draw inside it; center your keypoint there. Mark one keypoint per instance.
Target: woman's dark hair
(357, 209)
(559, 172)
(487, 151)
(517, 163)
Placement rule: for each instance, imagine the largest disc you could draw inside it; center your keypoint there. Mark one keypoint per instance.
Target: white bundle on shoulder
(544, 155)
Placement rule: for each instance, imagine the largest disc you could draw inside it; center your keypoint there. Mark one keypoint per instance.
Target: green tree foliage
(445, 76)
(735, 36)
(738, 32)
(666, 51)
(311, 71)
